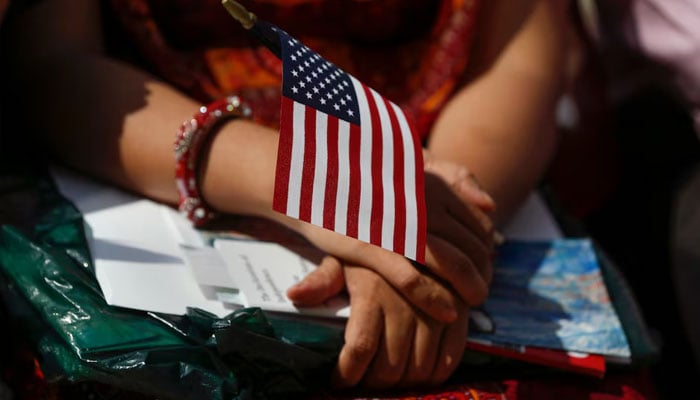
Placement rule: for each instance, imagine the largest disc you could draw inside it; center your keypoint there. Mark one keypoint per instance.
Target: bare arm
(117, 123)
(500, 125)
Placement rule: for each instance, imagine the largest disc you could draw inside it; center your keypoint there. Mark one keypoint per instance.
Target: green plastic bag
(48, 274)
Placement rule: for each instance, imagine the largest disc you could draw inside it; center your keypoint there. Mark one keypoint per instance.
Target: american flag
(348, 159)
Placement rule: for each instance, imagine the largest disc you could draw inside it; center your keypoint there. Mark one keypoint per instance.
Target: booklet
(546, 294)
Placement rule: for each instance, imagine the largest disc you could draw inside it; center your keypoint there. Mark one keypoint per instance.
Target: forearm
(509, 153)
(117, 123)
(501, 125)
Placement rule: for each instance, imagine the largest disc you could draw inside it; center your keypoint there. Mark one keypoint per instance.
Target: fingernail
(448, 360)
(297, 287)
(450, 314)
(498, 238)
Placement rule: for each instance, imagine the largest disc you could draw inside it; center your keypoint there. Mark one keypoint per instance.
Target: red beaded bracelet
(188, 146)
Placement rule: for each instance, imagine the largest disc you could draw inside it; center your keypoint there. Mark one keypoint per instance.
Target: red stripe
(284, 156)
(331, 174)
(307, 178)
(420, 196)
(375, 223)
(399, 194)
(355, 180)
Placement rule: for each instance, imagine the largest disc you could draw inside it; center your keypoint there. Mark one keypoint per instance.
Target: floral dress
(414, 52)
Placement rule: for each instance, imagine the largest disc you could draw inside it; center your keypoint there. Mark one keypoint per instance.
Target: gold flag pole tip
(237, 11)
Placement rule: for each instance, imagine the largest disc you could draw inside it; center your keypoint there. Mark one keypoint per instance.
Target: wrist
(192, 140)
(238, 169)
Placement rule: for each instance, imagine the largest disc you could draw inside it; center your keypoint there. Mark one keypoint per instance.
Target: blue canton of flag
(315, 82)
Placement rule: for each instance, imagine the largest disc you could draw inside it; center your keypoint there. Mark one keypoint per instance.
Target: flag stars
(317, 82)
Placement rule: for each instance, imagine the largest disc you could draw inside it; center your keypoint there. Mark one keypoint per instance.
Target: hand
(460, 248)
(460, 179)
(390, 343)
(423, 290)
(460, 233)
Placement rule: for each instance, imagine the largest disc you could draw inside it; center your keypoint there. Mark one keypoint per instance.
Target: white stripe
(321, 166)
(296, 164)
(343, 193)
(365, 213)
(409, 179)
(388, 215)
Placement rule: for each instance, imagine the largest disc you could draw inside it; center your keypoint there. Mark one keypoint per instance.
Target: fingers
(391, 358)
(470, 246)
(426, 348)
(320, 285)
(461, 180)
(451, 349)
(420, 289)
(448, 206)
(390, 343)
(470, 191)
(452, 265)
(363, 330)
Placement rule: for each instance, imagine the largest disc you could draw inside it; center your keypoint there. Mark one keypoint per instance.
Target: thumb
(462, 181)
(320, 285)
(469, 190)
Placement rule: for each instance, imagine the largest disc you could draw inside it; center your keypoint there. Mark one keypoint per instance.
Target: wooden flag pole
(249, 21)
(239, 13)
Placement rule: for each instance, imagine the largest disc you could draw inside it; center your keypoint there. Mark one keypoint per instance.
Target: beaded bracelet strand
(188, 147)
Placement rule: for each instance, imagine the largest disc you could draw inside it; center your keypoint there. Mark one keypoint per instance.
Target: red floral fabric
(620, 386)
(414, 52)
(3, 8)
